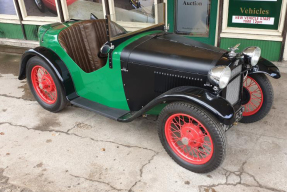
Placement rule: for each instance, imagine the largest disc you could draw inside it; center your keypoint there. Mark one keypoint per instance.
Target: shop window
(8, 11)
(39, 10)
(193, 18)
(7, 7)
(82, 9)
(136, 14)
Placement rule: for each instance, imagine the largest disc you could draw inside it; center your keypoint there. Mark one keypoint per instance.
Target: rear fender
(56, 64)
(266, 67)
(216, 105)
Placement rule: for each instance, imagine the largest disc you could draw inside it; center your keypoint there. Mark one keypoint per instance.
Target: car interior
(83, 41)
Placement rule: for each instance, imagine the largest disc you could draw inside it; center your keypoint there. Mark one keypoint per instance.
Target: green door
(193, 19)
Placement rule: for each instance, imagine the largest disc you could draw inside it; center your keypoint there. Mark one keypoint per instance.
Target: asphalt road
(78, 150)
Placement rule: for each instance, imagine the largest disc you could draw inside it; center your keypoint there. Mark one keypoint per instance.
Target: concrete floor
(78, 150)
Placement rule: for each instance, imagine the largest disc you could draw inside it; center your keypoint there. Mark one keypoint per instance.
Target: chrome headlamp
(220, 76)
(252, 55)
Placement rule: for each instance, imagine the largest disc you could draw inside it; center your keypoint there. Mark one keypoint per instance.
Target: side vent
(166, 81)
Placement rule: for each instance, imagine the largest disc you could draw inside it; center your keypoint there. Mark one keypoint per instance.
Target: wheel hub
(191, 135)
(46, 83)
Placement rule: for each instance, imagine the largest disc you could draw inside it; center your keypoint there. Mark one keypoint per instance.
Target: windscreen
(123, 22)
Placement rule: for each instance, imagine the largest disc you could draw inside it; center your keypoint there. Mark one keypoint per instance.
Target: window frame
(134, 26)
(38, 20)
(249, 33)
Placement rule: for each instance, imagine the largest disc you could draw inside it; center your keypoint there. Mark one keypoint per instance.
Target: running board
(99, 108)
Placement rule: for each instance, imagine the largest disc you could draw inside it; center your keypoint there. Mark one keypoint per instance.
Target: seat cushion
(83, 41)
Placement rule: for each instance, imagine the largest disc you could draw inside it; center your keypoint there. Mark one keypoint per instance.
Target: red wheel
(257, 98)
(44, 84)
(188, 138)
(192, 137)
(254, 96)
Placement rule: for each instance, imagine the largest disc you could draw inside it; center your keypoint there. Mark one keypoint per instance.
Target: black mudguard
(56, 64)
(216, 105)
(266, 67)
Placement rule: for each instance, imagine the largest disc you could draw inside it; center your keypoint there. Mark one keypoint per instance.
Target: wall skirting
(19, 43)
(270, 49)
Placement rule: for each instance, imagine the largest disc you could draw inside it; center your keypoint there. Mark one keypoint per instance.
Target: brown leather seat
(83, 41)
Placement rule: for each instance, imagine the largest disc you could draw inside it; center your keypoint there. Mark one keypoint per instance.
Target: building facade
(223, 23)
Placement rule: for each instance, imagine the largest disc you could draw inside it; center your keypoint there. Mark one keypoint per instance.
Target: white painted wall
(285, 51)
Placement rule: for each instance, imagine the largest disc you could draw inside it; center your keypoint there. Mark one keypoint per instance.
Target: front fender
(56, 64)
(216, 105)
(266, 67)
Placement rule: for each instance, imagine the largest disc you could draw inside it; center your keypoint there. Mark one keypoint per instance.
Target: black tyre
(40, 5)
(257, 97)
(45, 85)
(192, 137)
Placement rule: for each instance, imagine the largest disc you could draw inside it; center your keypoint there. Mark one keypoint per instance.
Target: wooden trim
(220, 18)
(106, 7)
(284, 33)
(14, 21)
(18, 10)
(251, 36)
(11, 17)
(19, 43)
(59, 10)
(65, 10)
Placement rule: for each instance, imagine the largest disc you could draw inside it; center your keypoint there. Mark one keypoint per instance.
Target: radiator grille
(233, 88)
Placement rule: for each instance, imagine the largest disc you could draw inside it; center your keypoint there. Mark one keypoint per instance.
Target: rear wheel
(257, 98)
(192, 137)
(45, 86)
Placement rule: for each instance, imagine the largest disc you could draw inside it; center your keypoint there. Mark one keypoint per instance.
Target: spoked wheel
(192, 137)
(45, 86)
(188, 138)
(257, 97)
(40, 5)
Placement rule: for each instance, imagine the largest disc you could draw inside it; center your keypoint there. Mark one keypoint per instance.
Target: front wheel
(257, 97)
(192, 137)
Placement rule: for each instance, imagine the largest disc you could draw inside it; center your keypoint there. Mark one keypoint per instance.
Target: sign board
(192, 17)
(259, 14)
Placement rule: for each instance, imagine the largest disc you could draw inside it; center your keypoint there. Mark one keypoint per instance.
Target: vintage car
(197, 91)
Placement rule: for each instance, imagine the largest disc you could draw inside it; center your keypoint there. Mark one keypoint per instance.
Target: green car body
(103, 86)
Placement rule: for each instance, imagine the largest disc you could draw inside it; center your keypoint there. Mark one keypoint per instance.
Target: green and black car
(197, 91)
